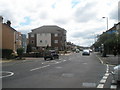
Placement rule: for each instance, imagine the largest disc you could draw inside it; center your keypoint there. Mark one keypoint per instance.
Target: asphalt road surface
(69, 71)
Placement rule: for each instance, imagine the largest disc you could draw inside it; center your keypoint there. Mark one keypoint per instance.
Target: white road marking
(24, 60)
(107, 74)
(100, 86)
(99, 59)
(59, 67)
(104, 79)
(39, 68)
(64, 60)
(67, 74)
(92, 85)
(9, 74)
(57, 62)
(113, 87)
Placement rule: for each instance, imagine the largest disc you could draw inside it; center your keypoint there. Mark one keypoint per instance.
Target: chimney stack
(1, 19)
(8, 22)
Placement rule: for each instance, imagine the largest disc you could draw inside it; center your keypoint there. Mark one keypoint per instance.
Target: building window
(32, 41)
(56, 35)
(40, 41)
(32, 35)
(56, 41)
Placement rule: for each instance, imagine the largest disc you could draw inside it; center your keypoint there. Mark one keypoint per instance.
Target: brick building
(49, 35)
(10, 38)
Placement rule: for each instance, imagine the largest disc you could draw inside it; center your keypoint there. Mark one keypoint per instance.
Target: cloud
(85, 13)
(81, 18)
(114, 13)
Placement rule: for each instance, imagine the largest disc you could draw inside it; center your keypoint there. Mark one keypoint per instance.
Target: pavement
(110, 59)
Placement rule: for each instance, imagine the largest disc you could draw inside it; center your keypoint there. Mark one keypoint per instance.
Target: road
(69, 71)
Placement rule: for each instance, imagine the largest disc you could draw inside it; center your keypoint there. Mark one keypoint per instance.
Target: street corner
(33, 58)
(67, 54)
(5, 61)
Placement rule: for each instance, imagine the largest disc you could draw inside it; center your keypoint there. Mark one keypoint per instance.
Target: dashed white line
(100, 86)
(104, 79)
(113, 87)
(107, 74)
(39, 68)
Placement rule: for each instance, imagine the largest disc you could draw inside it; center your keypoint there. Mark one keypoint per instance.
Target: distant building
(48, 36)
(18, 41)
(24, 42)
(112, 30)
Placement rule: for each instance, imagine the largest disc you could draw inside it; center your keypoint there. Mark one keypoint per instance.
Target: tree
(20, 52)
(110, 40)
(29, 48)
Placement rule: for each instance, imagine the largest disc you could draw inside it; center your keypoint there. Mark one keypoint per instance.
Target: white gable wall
(43, 39)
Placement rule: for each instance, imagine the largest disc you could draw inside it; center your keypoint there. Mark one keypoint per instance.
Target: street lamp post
(107, 21)
(104, 51)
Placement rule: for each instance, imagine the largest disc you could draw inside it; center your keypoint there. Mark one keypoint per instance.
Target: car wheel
(51, 58)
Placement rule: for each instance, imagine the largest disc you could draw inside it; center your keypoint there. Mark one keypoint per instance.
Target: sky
(82, 19)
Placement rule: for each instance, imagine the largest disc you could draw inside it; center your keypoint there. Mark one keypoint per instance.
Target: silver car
(116, 73)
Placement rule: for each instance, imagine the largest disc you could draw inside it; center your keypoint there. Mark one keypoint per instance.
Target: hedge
(7, 53)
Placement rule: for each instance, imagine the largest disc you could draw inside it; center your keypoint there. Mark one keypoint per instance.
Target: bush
(34, 54)
(7, 53)
(29, 48)
(20, 52)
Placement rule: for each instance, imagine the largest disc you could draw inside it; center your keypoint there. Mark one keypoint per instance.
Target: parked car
(86, 52)
(51, 54)
(77, 50)
(116, 73)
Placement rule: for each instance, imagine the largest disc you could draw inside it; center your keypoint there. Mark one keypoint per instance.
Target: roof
(9, 27)
(48, 29)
